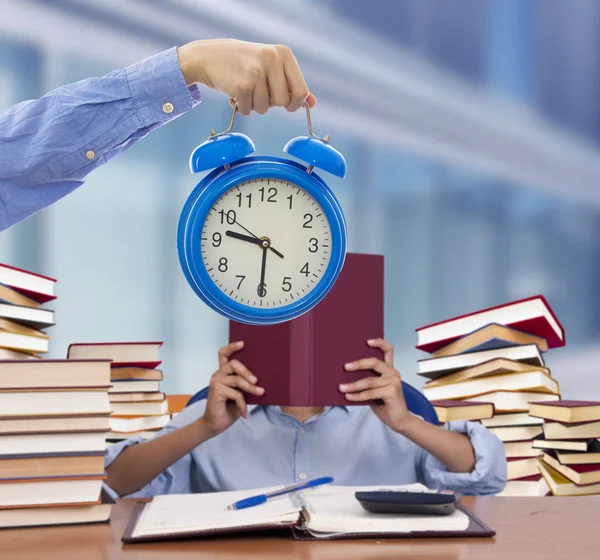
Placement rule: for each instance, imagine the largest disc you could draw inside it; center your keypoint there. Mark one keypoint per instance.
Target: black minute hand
(262, 288)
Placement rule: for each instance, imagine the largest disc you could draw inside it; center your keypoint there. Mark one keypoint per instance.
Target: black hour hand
(243, 237)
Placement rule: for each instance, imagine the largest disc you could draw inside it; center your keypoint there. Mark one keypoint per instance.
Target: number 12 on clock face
(266, 243)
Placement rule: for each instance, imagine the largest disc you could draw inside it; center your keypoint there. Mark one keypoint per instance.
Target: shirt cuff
(159, 90)
(489, 474)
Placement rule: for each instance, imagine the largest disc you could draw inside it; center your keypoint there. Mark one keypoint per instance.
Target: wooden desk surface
(527, 528)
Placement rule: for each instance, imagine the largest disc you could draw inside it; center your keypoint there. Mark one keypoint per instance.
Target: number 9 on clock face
(265, 249)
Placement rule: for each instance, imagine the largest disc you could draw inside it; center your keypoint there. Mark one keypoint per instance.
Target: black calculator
(416, 503)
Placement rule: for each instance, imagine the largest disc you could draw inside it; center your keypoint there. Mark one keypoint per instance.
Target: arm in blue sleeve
(489, 474)
(49, 145)
(178, 478)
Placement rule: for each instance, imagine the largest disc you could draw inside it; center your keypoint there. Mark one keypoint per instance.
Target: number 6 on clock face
(263, 241)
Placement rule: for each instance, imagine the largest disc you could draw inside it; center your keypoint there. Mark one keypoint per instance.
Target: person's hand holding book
(226, 402)
(386, 389)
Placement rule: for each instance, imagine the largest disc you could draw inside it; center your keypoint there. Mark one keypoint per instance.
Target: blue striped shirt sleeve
(49, 145)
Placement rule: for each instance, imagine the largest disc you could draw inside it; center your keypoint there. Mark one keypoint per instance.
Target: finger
(385, 347)
(227, 351)
(278, 88)
(235, 366)
(381, 393)
(237, 382)
(243, 99)
(295, 83)
(260, 98)
(364, 384)
(373, 364)
(311, 100)
(229, 394)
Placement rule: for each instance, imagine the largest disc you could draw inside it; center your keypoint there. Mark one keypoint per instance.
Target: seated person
(222, 444)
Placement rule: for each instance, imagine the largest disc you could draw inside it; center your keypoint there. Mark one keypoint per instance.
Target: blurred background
(471, 131)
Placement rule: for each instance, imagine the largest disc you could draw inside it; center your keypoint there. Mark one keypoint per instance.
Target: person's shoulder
(189, 414)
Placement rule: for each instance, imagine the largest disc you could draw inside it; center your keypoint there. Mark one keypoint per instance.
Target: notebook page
(336, 510)
(182, 513)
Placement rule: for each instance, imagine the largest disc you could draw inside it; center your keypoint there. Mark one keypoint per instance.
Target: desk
(527, 528)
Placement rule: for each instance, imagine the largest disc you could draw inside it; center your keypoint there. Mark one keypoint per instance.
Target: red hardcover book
(38, 287)
(123, 354)
(531, 315)
(301, 362)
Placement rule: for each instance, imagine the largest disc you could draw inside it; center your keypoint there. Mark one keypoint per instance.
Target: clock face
(266, 243)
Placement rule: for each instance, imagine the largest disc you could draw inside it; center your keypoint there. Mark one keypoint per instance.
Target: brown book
(33, 492)
(518, 467)
(24, 404)
(491, 367)
(560, 485)
(556, 430)
(511, 419)
(16, 298)
(6, 354)
(579, 474)
(533, 485)
(140, 408)
(432, 368)
(448, 410)
(54, 374)
(135, 374)
(28, 316)
(54, 425)
(490, 337)
(534, 380)
(564, 445)
(301, 362)
(13, 327)
(63, 514)
(130, 354)
(515, 401)
(516, 433)
(129, 424)
(521, 449)
(567, 412)
(52, 465)
(31, 444)
(592, 455)
(135, 387)
(177, 402)
(135, 397)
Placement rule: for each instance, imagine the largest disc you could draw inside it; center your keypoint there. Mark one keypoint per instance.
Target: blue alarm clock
(262, 239)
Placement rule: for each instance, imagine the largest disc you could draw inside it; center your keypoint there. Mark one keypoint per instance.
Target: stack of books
(495, 356)
(53, 423)
(139, 408)
(22, 319)
(570, 460)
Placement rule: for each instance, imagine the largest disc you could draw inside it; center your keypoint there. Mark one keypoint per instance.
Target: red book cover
(539, 325)
(301, 362)
(572, 404)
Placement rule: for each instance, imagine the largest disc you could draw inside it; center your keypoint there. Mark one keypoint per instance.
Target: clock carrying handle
(233, 104)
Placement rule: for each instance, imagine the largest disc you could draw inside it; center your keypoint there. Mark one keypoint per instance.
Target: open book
(327, 512)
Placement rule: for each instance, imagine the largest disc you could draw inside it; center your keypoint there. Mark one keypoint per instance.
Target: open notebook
(328, 512)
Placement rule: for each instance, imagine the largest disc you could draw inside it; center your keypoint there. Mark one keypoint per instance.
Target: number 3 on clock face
(263, 241)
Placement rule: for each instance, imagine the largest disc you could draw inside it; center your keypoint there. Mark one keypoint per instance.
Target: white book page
(181, 513)
(335, 509)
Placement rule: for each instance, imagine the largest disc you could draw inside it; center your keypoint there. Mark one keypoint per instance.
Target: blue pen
(262, 498)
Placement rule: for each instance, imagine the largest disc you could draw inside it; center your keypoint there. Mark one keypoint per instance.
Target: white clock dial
(266, 243)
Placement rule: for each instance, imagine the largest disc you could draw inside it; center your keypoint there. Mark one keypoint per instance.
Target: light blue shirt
(49, 145)
(349, 443)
